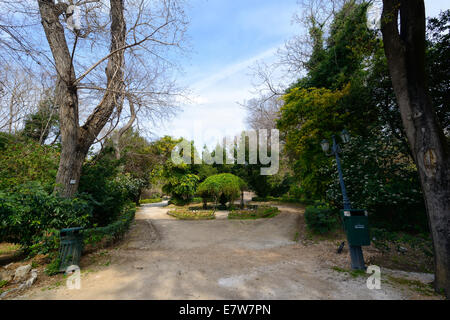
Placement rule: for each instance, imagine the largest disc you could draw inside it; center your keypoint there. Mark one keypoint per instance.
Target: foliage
(349, 42)
(53, 267)
(438, 66)
(284, 198)
(154, 200)
(205, 170)
(182, 187)
(321, 218)
(30, 213)
(25, 160)
(224, 185)
(38, 125)
(113, 231)
(186, 214)
(105, 188)
(129, 186)
(381, 179)
(307, 117)
(91, 236)
(259, 212)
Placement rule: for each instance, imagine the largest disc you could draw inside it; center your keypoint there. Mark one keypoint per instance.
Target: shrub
(321, 218)
(224, 186)
(30, 214)
(182, 187)
(101, 186)
(113, 231)
(22, 161)
(382, 179)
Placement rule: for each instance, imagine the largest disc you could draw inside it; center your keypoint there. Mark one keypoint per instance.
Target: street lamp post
(356, 254)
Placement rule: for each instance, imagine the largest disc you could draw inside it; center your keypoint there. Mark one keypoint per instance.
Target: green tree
(225, 187)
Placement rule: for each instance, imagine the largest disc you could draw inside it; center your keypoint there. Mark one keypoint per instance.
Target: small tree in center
(225, 187)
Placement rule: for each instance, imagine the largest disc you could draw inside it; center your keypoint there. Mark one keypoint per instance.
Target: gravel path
(165, 258)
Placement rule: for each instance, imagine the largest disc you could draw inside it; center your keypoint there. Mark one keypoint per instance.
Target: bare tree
(405, 52)
(20, 94)
(99, 64)
(315, 16)
(262, 112)
(292, 60)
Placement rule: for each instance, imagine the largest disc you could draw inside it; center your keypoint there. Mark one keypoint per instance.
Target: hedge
(114, 231)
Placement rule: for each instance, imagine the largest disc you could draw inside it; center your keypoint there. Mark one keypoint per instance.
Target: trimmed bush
(225, 187)
(321, 219)
(114, 231)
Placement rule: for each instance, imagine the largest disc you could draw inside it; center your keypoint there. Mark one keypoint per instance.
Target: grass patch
(416, 285)
(155, 200)
(260, 212)
(3, 283)
(353, 273)
(186, 214)
(403, 251)
(8, 248)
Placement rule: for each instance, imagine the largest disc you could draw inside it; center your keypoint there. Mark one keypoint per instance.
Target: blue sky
(227, 37)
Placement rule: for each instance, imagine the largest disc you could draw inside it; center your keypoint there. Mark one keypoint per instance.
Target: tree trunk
(405, 52)
(76, 140)
(117, 135)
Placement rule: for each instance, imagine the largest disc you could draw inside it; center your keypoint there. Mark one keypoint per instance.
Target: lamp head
(345, 136)
(325, 145)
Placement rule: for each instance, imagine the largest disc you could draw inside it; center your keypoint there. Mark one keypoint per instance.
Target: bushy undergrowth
(113, 231)
(107, 189)
(30, 213)
(321, 219)
(284, 198)
(24, 160)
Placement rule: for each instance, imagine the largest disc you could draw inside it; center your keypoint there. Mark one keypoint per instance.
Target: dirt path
(165, 258)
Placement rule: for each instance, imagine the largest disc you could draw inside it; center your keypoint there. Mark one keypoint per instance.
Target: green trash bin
(356, 226)
(71, 245)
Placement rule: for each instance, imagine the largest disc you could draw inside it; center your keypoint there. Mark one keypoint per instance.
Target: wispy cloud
(232, 69)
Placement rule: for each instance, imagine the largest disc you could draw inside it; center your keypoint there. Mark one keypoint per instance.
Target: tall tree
(76, 140)
(405, 52)
(153, 27)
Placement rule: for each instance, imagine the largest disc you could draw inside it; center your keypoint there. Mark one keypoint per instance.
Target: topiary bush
(225, 187)
(321, 218)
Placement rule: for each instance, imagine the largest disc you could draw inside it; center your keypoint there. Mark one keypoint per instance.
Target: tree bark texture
(405, 52)
(76, 140)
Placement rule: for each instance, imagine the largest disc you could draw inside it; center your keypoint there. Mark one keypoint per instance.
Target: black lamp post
(356, 255)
